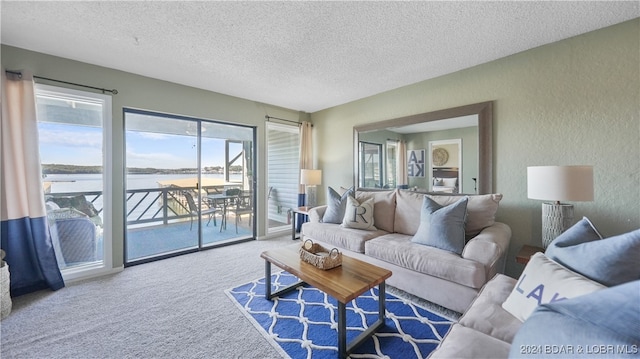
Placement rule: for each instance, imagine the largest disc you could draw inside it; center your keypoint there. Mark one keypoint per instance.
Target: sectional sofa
(579, 299)
(449, 279)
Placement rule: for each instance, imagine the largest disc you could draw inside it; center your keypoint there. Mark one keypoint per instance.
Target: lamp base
(556, 218)
(311, 196)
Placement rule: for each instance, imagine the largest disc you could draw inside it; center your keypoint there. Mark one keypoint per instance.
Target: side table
(526, 252)
(300, 210)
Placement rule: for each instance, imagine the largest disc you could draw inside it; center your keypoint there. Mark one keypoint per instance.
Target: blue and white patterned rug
(303, 323)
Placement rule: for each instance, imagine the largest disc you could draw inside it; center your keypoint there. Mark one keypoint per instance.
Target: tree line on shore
(56, 168)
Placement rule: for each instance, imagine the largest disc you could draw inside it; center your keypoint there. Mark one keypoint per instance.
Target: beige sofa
(485, 330)
(439, 276)
(588, 319)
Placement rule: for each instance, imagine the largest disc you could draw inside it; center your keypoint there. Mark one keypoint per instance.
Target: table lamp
(310, 178)
(558, 183)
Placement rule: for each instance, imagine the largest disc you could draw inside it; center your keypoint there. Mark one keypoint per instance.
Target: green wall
(576, 101)
(141, 92)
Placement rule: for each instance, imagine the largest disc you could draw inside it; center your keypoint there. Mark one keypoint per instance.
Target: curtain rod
(269, 118)
(114, 91)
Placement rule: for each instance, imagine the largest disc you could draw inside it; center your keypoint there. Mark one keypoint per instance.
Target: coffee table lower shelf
(313, 276)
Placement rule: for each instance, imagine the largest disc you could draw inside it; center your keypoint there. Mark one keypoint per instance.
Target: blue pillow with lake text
(602, 324)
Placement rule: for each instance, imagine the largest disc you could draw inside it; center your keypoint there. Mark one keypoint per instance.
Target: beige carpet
(174, 308)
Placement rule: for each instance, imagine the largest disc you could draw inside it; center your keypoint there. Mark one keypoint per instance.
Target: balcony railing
(149, 205)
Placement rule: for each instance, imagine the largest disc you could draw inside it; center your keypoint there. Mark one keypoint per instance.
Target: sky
(82, 145)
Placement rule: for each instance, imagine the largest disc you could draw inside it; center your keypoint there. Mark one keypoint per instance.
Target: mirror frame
(484, 110)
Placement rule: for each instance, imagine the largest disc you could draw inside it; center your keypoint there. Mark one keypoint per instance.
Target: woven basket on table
(319, 256)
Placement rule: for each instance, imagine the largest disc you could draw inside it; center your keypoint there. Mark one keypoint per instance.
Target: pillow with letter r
(604, 324)
(610, 261)
(359, 214)
(336, 204)
(545, 281)
(442, 226)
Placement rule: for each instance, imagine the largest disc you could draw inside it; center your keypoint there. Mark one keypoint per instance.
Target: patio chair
(77, 240)
(193, 209)
(243, 205)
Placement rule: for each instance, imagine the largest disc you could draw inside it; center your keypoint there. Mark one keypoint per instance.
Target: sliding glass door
(189, 184)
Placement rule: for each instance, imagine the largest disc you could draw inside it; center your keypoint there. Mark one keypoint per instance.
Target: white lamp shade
(310, 177)
(560, 183)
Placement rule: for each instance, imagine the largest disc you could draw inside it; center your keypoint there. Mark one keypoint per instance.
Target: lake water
(61, 183)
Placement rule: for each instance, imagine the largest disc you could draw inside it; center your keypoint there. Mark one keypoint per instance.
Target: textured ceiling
(304, 56)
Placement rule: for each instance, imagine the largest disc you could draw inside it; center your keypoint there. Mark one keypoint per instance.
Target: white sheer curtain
(401, 167)
(306, 150)
(25, 232)
(306, 162)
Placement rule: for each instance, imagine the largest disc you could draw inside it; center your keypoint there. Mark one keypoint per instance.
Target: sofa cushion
(603, 324)
(384, 207)
(359, 215)
(609, 261)
(442, 226)
(461, 343)
(398, 249)
(545, 281)
(481, 210)
(78, 202)
(407, 215)
(335, 205)
(334, 234)
(485, 314)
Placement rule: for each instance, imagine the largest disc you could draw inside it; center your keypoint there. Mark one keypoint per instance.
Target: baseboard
(82, 275)
(276, 234)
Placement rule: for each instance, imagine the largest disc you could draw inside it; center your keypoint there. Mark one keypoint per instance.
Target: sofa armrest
(490, 248)
(316, 214)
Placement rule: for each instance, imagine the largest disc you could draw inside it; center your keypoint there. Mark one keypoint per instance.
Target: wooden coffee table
(344, 283)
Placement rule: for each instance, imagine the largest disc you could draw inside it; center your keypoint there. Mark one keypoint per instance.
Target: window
(74, 140)
(371, 161)
(283, 163)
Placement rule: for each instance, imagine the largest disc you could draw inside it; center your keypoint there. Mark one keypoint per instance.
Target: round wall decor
(440, 156)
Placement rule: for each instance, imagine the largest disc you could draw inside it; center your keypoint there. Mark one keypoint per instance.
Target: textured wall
(576, 101)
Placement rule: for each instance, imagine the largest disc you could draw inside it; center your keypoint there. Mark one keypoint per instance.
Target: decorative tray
(319, 256)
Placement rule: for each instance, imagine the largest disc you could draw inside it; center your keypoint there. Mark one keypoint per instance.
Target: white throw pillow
(545, 281)
(359, 215)
(449, 182)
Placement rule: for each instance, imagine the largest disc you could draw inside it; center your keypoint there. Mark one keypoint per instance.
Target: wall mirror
(445, 151)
